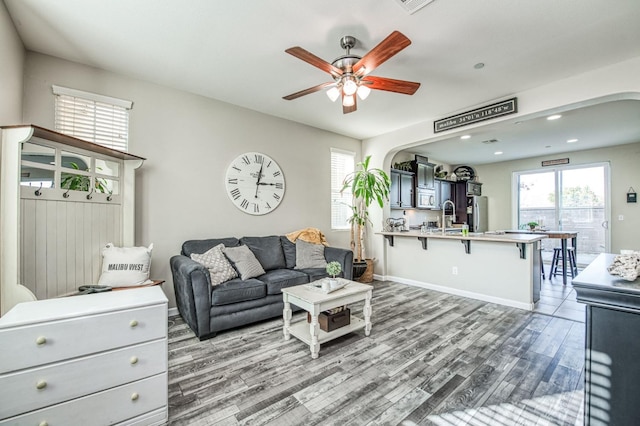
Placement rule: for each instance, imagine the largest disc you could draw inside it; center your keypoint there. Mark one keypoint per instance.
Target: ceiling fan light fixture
(350, 87)
(347, 100)
(363, 92)
(333, 93)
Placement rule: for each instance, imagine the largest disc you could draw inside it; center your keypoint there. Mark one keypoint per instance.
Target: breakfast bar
(493, 266)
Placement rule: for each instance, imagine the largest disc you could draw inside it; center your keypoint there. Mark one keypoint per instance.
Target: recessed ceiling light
(554, 117)
(572, 140)
(498, 153)
(465, 136)
(479, 65)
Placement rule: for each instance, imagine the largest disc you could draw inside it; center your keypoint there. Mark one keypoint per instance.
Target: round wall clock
(255, 183)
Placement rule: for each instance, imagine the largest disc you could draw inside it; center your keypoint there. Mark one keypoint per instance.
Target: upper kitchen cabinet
(424, 172)
(402, 185)
(444, 192)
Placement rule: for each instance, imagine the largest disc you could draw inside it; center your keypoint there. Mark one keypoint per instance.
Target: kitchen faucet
(444, 222)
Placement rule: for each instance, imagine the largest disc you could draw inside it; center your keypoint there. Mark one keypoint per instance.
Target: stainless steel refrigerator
(477, 213)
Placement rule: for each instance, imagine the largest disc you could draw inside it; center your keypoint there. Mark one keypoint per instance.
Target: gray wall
(189, 141)
(625, 172)
(11, 71)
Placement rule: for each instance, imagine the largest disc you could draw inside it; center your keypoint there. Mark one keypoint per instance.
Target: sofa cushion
(215, 261)
(309, 255)
(237, 290)
(201, 246)
(268, 251)
(316, 273)
(278, 279)
(244, 261)
(289, 250)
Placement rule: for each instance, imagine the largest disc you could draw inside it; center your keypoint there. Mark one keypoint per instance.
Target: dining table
(563, 236)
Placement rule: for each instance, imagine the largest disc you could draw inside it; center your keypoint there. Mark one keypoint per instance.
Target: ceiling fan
(351, 72)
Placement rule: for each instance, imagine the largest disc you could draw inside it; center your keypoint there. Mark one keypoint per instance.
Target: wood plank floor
(431, 359)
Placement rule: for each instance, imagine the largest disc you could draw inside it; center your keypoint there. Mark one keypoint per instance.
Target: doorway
(570, 198)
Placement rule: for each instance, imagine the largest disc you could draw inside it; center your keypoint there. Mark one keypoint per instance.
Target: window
(342, 163)
(95, 118)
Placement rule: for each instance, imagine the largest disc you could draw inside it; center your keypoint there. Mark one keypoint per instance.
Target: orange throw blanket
(310, 235)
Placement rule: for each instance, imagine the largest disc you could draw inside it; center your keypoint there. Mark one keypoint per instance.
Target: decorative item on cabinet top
(464, 173)
(405, 166)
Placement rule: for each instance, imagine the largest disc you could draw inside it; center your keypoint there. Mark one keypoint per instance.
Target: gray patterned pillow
(245, 261)
(217, 264)
(309, 255)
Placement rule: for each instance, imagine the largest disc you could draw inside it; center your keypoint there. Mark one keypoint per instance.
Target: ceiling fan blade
(352, 108)
(312, 59)
(394, 43)
(308, 91)
(390, 85)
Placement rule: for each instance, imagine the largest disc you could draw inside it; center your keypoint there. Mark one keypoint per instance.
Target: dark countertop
(595, 285)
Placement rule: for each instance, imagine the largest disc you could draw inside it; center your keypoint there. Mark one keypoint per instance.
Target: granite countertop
(473, 236)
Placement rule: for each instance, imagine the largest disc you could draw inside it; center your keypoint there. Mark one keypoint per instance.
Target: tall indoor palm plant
(367, 185)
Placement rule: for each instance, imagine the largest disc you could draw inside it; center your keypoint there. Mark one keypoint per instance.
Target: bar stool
(557, 258)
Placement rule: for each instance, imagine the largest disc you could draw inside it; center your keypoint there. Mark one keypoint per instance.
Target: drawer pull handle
(41, 384)
(133, 323)
(43, 423)
(41, 340)
(135, 396)
(133, 360)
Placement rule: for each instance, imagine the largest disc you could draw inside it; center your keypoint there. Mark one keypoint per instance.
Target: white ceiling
(233, 51)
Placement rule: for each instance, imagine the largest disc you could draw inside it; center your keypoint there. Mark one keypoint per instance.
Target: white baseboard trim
(463, 293)
(173, 312)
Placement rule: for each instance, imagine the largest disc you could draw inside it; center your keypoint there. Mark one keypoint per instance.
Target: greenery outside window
(342, 164)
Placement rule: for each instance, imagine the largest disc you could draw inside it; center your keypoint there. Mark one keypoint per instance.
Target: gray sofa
(209, 309)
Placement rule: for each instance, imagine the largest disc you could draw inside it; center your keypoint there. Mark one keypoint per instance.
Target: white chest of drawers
(94, 359)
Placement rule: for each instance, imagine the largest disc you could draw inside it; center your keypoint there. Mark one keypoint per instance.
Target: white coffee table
(314, 301)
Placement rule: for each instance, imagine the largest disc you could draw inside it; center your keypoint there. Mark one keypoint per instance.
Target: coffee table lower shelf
(302, 331)
(315, 302)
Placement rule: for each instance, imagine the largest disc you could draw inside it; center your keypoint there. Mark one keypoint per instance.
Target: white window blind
(96, 118)
(342, 163)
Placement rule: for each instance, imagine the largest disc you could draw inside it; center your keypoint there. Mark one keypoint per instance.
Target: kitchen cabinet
(424, 175)
(444, 192)
(460, 200)
(402, 186)
(612, 344)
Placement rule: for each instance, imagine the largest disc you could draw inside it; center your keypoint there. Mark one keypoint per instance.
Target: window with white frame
(95, 118)
(342, 163)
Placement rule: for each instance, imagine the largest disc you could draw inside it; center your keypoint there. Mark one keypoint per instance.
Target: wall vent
(412, 6)
(489, 141)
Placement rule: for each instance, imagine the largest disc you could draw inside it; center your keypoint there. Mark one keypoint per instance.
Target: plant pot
(359, 268)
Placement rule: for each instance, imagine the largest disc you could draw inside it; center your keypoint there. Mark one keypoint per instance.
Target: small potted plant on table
(532, 225)
(333, 269)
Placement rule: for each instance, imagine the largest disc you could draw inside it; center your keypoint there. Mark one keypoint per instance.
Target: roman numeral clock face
(255, 183)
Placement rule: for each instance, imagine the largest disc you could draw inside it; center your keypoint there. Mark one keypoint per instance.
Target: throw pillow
(219, 267)
(125, 266)
(244, 261)
(268, 251)
(309, 255)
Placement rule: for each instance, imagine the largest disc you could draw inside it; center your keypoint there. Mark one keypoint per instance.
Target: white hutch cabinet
(62, 200)
(92, 359)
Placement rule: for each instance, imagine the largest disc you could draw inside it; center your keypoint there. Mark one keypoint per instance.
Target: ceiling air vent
(412, 6)
(489, 141)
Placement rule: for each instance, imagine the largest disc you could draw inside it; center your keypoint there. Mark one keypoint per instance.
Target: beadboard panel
(61, 243)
